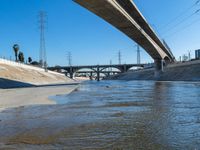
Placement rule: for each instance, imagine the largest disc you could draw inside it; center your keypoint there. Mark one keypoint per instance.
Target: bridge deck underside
(131, 8)
(130, 22)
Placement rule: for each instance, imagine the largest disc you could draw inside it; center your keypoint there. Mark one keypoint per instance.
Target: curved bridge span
(125, 16)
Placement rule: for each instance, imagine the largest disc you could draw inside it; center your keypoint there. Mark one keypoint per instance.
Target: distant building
(185, 58)
(197, 54)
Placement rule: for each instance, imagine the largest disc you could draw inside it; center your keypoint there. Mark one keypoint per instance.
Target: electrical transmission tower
(69, 57)
(42, 23)
(138, 54)
(189, 55)
(119, 57)
(110, 65)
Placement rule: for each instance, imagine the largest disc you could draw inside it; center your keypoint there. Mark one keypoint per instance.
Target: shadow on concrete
(8, 84)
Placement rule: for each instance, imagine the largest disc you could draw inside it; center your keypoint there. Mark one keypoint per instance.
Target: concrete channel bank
(188, 71)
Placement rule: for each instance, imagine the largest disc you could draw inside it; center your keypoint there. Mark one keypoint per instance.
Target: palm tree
(16, 49)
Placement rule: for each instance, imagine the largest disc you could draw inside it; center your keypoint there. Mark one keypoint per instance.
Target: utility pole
(69, 58)
(138, 54)
(110, 65)
(119, 57)
(43, 57)
(189, 55)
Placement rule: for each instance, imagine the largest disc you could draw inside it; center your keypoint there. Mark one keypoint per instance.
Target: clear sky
(90, 39)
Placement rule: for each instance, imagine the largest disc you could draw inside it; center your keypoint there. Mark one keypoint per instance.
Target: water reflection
(110, 115)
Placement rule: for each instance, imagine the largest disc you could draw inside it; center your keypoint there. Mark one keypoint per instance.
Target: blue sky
(90, 39)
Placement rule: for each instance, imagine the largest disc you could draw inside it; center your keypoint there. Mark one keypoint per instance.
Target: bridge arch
(79, 69)
(167, 60)
(93, 75)
(134, 68)
(118, 68)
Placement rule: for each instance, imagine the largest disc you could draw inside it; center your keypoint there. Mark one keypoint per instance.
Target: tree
(16, 49)
(29, 60)
(35, 63)
(21, 57)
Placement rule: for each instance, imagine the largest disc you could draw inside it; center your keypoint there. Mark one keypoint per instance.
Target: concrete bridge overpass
(125, 16)
(71, 70)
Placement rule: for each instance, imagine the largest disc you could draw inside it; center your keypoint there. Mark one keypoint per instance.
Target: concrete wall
(24, 66)
(189, 71)
(13, 74)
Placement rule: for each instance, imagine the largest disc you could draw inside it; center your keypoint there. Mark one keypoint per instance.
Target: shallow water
(109, 115)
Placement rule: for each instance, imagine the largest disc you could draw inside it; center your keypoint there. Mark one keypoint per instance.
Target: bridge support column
(158, 68)
(125, 69)
(71, 73)
(108, 74)
(90, 75)
(98, 74)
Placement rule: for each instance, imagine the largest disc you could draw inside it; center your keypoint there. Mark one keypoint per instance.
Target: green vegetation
(21, 57)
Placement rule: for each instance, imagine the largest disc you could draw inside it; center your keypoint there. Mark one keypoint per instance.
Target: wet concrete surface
(109, 115)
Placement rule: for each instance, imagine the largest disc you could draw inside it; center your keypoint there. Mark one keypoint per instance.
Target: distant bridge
(125, 16)
(93, 74)
(71, 70)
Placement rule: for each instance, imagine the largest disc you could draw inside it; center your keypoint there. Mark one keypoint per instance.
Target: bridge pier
(124, 69)
(159, 68)
(98, 73)
(66, 74)
(108, 74)
(91, 75)
(71, 73)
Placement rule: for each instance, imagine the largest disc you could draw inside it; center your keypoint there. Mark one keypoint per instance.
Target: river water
(109, 115)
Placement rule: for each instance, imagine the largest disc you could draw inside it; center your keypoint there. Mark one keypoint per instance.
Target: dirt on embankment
(188, 71)
(14, 75)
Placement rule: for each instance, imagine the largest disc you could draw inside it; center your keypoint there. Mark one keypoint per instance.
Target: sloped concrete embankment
(13, 75)
(188, 71)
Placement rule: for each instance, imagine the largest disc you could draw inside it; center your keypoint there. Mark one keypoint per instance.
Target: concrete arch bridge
(95, 69)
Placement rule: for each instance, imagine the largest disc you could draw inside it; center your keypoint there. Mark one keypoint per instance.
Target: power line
(182, 20)
(192, 23)
(181, 14)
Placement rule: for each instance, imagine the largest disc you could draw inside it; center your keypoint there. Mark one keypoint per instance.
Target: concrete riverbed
(109, 115)
(32, 96)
